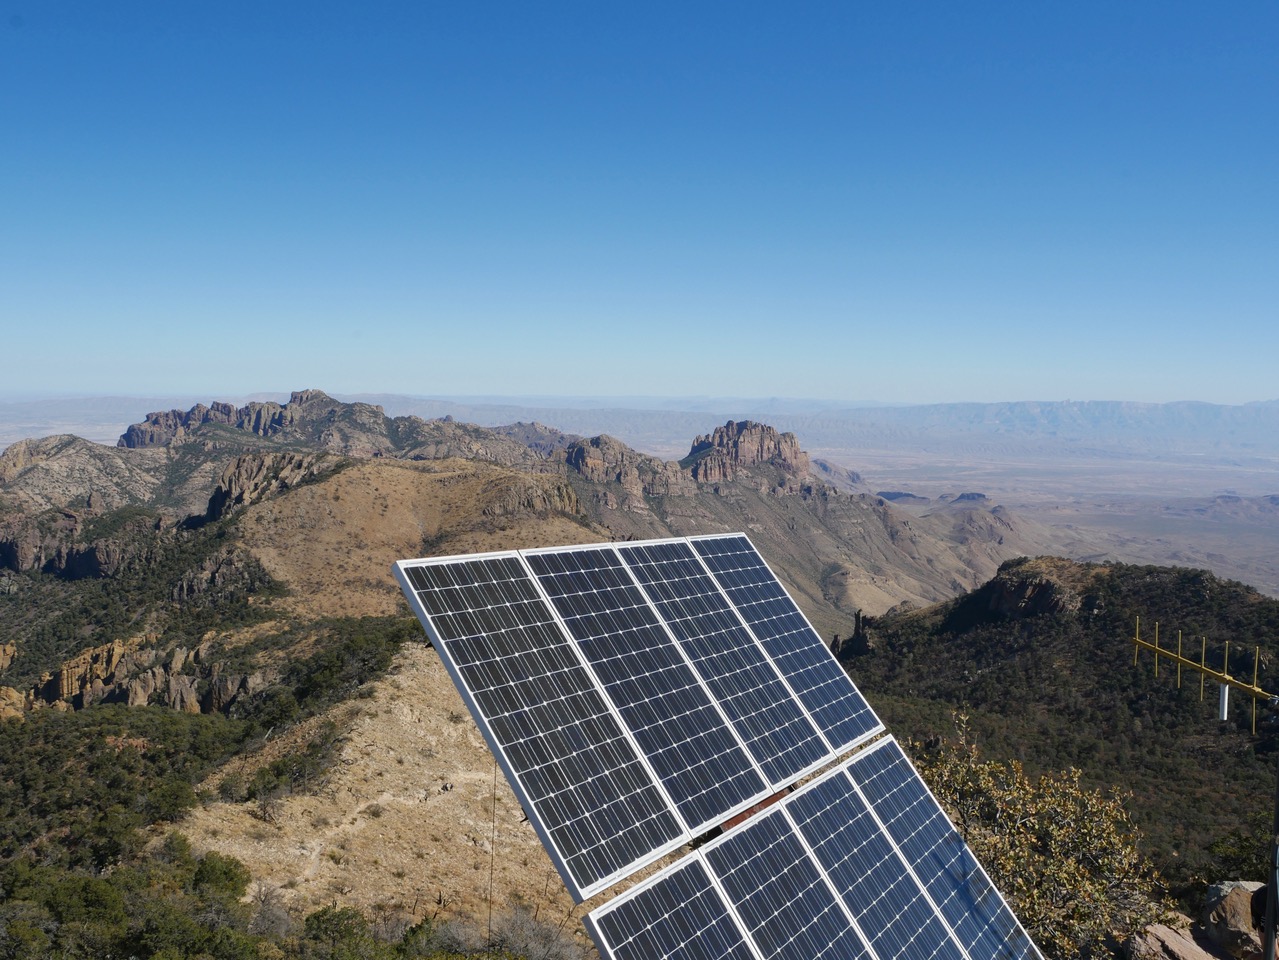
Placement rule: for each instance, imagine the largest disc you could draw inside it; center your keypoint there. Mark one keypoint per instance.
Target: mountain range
(1095, 427)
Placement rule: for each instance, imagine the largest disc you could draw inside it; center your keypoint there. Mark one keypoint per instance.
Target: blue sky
(903, 202)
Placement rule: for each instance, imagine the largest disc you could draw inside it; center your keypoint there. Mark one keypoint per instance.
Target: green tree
(1065, 856)
(341, 933)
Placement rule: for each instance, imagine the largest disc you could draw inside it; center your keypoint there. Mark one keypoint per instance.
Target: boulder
(1234, 914)
(12, 703)
(1162, 942)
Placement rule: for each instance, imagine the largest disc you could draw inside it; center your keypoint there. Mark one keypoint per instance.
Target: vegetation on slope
(1066, 857)
(1040, 661)
(84, 795)
(175, 587)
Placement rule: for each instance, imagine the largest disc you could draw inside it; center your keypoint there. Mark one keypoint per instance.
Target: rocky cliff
(255, 477)
(135, 673)
(621, 478)
(836, 543)
(1023, 588)
(723, 455)
(172, 426)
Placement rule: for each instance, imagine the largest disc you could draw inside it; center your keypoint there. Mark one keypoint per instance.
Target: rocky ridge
(312, 419)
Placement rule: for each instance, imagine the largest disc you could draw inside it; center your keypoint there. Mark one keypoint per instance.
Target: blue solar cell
(930, 844)
(827, 693)
(561, 745)
(681, 916)
(780, 896)
(883, 897)
(766, 716)
(702, 765)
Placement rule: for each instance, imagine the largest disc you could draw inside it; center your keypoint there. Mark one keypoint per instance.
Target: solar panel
(672, 716)
(937, 854)
(818, 875)
(833, 702)
(883, 897)
(681, 915)
(566, 753)
(785, 904)
(762, 709)
(639, 694)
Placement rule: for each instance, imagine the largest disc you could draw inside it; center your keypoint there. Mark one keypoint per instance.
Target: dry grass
(334, 542)
(405, 820)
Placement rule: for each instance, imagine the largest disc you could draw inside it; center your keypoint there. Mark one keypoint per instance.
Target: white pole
(1223, 704)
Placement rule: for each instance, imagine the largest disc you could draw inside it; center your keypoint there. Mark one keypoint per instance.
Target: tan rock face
(607, 461)
(720, 456)
(78, 674)
(54, 472)
(12, 703)
(167, 426)
(1162, 942)
(1231, 918)
(256, 476)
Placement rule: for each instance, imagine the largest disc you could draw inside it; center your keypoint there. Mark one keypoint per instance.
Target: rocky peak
(166, 427)
(608, 463)
(604, 459)
(302, 398)
(721, 455)
(1024, 588)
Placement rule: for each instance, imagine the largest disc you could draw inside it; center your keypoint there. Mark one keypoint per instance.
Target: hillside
(1039, 660)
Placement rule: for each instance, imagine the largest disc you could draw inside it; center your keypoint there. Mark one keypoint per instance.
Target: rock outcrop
(1163, 942)
(65, 471)
(506, 499)
(722, 455)
(1233, 918)
(256, 476)
(607, 461)
(1024, 588)
(167, 427)
(135, 674)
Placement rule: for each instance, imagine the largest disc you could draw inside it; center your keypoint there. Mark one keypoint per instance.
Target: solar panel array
(640, 694)
(630, 704)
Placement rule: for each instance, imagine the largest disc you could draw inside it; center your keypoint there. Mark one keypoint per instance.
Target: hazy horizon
(690, 403)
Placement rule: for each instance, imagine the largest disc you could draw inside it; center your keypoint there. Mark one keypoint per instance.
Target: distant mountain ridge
(1102, 425)
(1061, 428)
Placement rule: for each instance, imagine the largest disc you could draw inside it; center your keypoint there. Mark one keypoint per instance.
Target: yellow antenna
(1225, 681)
(1223, 678)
